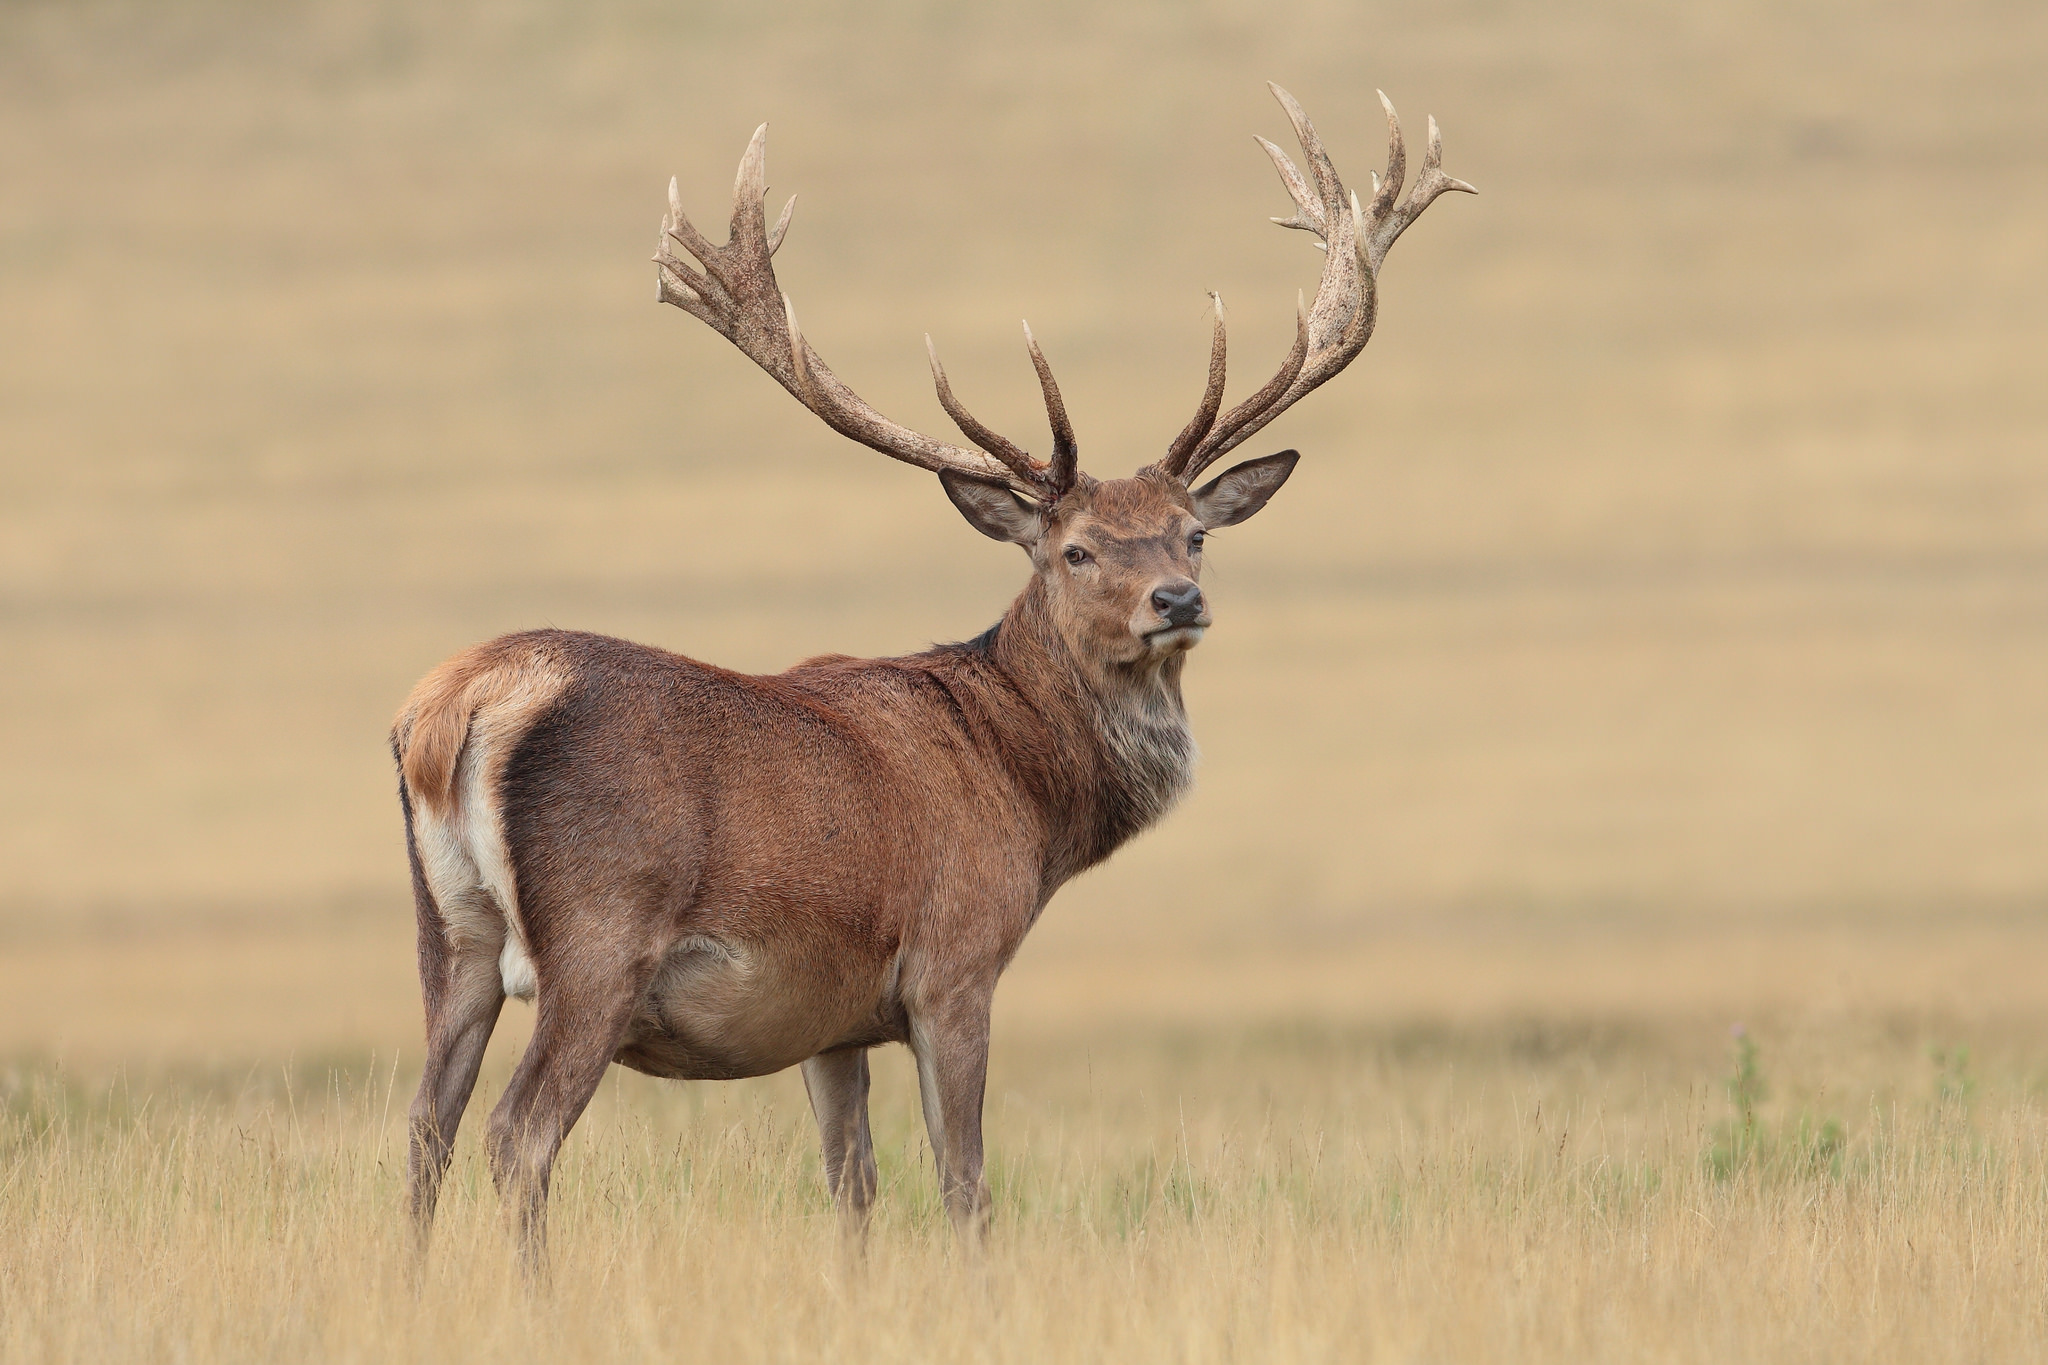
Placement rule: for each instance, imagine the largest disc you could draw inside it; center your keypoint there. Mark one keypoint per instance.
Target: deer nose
(1180, 603)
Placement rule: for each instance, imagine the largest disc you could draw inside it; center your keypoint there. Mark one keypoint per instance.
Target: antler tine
(1212, 398)
(781, 226)
(1064, 466)
(1329, 188)
(675, 276)
(676, 224)
(1013, 456)
(749, 190)
(799, 362)
(1308, 213)
(676, 281)
(1389, 189)
(736, 294)
(1334, 328)
(1233, 428)
(1388, 226)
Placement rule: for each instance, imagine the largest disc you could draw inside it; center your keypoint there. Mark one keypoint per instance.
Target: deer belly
(719, 1011)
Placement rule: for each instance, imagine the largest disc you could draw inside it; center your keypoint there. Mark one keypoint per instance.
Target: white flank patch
(515, 969)
(704, 943)
(472, 918)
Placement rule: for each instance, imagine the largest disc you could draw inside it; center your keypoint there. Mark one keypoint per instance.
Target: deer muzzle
(1178, 615)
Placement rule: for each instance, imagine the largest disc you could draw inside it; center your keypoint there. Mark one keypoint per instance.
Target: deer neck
(1117, 751)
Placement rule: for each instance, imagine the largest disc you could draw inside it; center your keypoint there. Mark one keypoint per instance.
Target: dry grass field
(1654, 641)
(1538, 1191)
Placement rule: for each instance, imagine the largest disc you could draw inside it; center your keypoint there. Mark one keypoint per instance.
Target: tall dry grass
(1532, 1192)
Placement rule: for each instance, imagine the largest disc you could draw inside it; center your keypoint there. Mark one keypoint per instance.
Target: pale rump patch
(454, 737)
(488, 692)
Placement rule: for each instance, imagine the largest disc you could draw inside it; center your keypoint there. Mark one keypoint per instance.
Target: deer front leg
(838, 1086)
(951, 1046)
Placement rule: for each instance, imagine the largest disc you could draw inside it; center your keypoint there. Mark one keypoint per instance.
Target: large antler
(736, 294)
(1332, 330)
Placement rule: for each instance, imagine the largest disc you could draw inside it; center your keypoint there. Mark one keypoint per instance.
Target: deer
(700, 874)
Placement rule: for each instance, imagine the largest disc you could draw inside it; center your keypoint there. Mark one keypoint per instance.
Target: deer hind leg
(838, 1086)
(462, 995)
(578, 1026)
(461, 1014)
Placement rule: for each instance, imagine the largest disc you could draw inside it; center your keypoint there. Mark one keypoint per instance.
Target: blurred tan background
(1659, 617)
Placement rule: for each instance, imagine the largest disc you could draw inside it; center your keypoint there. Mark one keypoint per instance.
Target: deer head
(1118, 560)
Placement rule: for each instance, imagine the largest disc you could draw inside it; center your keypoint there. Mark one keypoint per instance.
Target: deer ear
(1242, 489)
(992, 508)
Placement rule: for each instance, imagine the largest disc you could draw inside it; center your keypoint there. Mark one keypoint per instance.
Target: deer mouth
(1176, 637)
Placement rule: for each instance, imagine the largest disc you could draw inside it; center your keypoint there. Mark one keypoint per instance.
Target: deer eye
(1076, 555)
(1196, 540)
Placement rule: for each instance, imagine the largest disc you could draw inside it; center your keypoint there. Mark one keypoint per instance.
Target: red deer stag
(700, 874)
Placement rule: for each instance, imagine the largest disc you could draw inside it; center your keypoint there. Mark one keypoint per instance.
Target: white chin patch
(515, 969)
(1180, 637)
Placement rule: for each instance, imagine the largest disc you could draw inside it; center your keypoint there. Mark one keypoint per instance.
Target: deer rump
(761, 851)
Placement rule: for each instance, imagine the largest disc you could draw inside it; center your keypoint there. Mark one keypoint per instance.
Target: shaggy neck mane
(1111, 750)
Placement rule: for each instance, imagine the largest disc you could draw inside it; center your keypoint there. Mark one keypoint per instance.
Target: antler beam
(1333, 329)
(732, 289)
